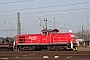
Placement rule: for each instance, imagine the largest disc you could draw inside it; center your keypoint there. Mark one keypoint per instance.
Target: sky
(68, 15)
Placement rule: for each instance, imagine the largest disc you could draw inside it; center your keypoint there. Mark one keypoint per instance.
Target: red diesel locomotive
(51, 40)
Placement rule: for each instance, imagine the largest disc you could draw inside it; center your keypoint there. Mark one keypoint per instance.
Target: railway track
(41, 55)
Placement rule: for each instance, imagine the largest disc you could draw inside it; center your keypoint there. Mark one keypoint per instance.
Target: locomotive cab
(48, 31)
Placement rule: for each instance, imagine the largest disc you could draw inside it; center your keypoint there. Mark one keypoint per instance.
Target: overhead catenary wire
(49, 15)
(49, 11)
(45, 7)
(15, 2)
(53, 11)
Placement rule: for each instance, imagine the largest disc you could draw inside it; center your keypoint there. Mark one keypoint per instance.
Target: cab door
(47, 39)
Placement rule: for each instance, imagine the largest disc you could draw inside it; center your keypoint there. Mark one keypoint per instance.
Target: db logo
(33, 37)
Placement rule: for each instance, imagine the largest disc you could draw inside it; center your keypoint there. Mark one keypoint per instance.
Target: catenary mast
(18, 24)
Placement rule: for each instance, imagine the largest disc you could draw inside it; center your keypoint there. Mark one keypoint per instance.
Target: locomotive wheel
(49, 48)
(56, 48)
(61, 48)
(19, 49)
(52, 49)
(30, 49)
(33, 48)
(22, 49)
(5, 49)
(0, 49)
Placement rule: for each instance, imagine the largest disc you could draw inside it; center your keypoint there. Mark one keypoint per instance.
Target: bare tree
(85, 35)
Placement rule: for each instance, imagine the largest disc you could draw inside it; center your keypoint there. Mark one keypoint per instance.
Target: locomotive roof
(50, 30)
